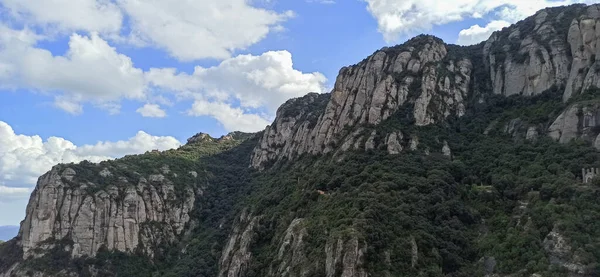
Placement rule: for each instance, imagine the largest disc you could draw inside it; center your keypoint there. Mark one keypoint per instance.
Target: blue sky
(92, 79)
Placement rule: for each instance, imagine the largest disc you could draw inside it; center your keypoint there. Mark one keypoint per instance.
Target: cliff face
(419, 77)
(426, 81)
(378, 214)
(555, 47)
(122, 216)
(580, 120)
(340, 256)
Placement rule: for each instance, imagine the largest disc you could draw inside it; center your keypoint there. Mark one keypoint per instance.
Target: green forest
(497, 196)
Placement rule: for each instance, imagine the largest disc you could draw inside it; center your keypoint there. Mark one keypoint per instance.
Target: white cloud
(68, 15)
(94, 72)
(233, 119)
(151, 110)
(395, 18)
(187, 30)
(267, 80)
(190, 30)
(24, 158)
(90, 71)
(476, 34)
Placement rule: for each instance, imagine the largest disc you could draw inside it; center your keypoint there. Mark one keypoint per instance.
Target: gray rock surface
(236, 255)
(292, 260)
(345, 257)
(367, 94)
(116, 216)
(578, 121)
(561, 254)
(532, 61)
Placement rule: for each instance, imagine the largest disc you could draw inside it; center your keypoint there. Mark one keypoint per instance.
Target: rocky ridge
(425, 81)
(122, 216)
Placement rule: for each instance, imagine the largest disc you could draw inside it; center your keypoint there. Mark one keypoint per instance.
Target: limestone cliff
(126, 215)
(340, 256)
(555, 47)
(236, 256)
(425, 81)
(419, 77)
(580, 120)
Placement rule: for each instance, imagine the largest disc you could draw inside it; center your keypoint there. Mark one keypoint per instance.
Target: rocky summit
(426, 159)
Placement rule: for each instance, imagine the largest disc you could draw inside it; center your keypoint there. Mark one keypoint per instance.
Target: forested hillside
(426, 159)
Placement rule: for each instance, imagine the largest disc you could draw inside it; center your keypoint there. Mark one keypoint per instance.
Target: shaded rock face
(580, 120)
(203, 137)
(291, 258)
(425, 82)
(542, 51)
(561, 254)
(345, 258)
(121, 217)
(428, 81)
(236, 256)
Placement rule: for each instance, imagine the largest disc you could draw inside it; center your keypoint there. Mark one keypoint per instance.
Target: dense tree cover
(497, 196)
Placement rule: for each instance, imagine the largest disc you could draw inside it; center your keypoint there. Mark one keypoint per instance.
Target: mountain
(426, 159)
(8, 232)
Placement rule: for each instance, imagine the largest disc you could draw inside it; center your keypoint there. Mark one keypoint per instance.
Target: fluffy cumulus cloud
(24, 158)
(187, 30)
(231, 118)
(66, 15)
(397, 18)
(266, 80)
(260, 82)
(190, 30)
(476, 34)
(90, 71)
(151, 110)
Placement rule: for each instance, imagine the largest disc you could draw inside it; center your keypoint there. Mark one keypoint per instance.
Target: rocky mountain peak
(418, 77)
(200, 137)
(424, 81)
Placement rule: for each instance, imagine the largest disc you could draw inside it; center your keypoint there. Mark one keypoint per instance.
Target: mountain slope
(426, 159)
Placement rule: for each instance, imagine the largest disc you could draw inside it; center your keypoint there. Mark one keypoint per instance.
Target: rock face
(236, 255)
(291, 258)
(426, 82)
(121, 216)
(555, 47)
(202, 137)
(561, 254)
(345, 258)
(580, 120)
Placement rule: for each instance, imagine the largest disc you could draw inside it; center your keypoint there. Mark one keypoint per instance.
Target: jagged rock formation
(561, 254)
(377, 106)
(555, 47)
(580, 120)
(236, 255)
(345, 257)
(426, 80)
(291, 258)
(122, 216)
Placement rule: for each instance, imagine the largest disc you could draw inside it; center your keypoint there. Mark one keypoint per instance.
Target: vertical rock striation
(122, 216)
(425, 82)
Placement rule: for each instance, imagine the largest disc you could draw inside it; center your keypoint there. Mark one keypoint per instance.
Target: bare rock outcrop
(425, 82)
(555, 47)
(120, 216)
(562, 254)
(292, 260)
(580, 120)
(345, 257)
(236, 256)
